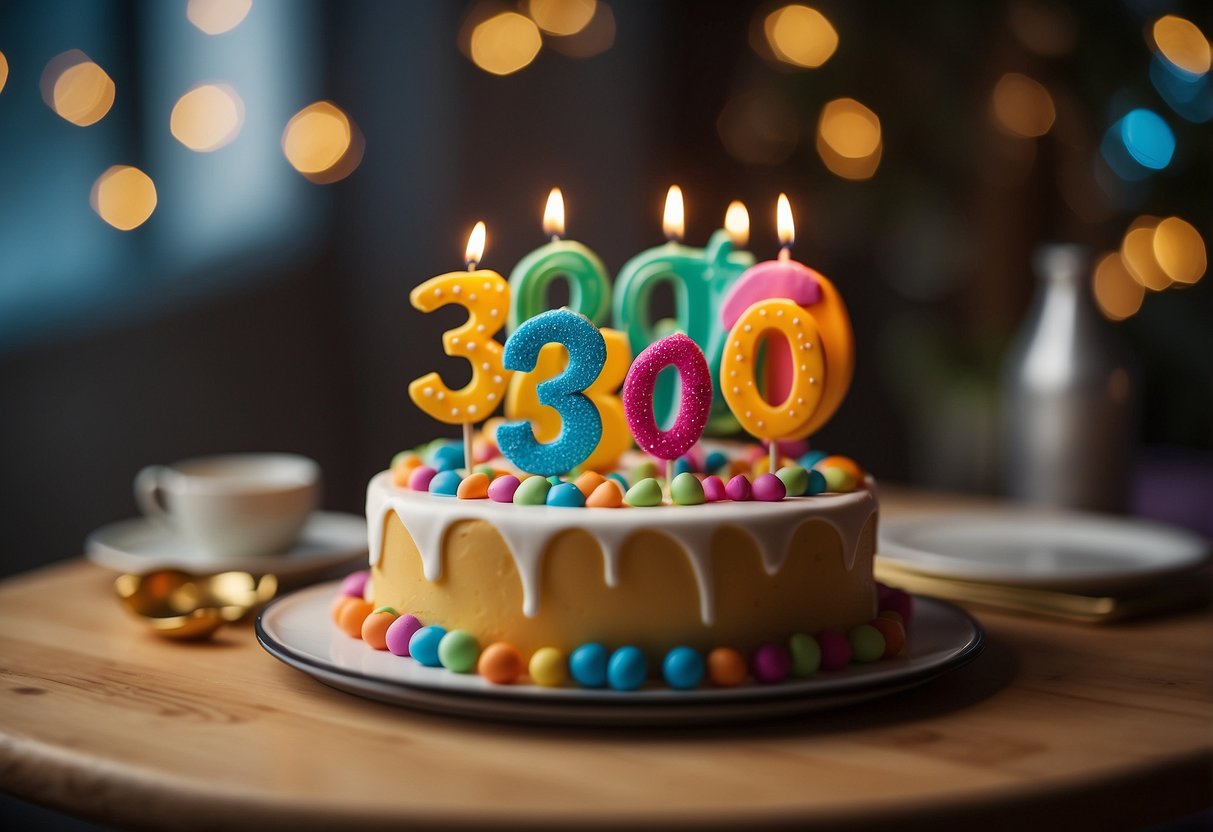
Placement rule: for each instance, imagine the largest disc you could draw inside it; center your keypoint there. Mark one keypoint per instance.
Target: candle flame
(783, 221)
(475, 249)
(673, 222)
(553, 214)
(737, 223)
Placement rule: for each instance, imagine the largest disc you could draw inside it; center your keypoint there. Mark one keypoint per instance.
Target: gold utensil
(1185, 591)
(178, 605)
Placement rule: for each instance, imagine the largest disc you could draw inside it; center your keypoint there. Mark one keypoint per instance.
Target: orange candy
(894, 635)
(474, 487)
(588, 481)
(402, 468)
(352, 615)
(500, 663)
(726, 667)
(608, 494)
(338, 605)
(374, 628)
(852, 473)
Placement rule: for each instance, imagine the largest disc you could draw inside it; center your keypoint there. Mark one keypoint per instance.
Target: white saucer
(329, 539)
(297, 629)
(1033, 547)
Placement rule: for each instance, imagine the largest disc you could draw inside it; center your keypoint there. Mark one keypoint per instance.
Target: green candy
(399, 457)
(806, 655)
(795, 479)
(554, 480)
(643, 471)
(836, 479)
(487, 470)
(644, 494)
(392, 610)
(458, 651)
(867, 643)
(686, 490)
(533, 491)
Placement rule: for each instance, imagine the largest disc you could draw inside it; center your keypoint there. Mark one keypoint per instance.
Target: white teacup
(235, 505)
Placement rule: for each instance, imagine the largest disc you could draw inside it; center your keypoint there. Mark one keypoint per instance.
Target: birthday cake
(540, 550)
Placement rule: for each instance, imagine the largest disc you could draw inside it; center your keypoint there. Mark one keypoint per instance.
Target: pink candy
(738, 489)
(771, 663)
(713, 490)
(399, 633)
(354, 584)
(696, 398)
(769, 489)
(835, 650)
(419, 480)
(501, 490)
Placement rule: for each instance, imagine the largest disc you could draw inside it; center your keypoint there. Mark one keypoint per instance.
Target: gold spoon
(178, 605)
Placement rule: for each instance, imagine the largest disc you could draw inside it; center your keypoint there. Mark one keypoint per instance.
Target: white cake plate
(1063, 550)
(329, 539)
(297, 629)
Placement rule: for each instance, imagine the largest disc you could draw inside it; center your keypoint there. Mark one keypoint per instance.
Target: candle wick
(555, 238)
(785, 253)
(472, 264)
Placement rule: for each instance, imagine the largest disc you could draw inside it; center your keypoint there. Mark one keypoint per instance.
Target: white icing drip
(527, 530)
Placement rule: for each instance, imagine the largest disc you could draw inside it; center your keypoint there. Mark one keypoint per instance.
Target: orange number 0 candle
(486, 296)
(793, 417)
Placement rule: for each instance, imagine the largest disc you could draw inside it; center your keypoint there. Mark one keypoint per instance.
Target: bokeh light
(1022, 106)
(124, 197)
(1138, 144)
(207, 117)
(800, 36)
(3, 71)
(505, 43)
(597, 37)
(322, 143)
(759, 128)
(1190, 96)
(1137, 252)
(561, 17)
(1180, 250)
(1117, 294)
(1182, 43)
(214, 17)
(77, 89)
(849, 139)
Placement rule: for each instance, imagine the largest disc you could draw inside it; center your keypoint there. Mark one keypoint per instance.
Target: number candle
(700, 279)
(581, 423)
(486, 297)
(589, 295)
(695, 402)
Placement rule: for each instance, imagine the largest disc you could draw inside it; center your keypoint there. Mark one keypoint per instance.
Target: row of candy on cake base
(593, 490)
(625, 668)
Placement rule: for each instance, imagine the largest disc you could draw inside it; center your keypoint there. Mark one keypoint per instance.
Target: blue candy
(445, 483)
(566, 495)
(423, 646)
(715, 461)
(447, 457)
(582, 425)
(817, 482)
(621, 479)
(683, 668)
(627, 668)
(588, 665)
(810, 459)
(683, 465)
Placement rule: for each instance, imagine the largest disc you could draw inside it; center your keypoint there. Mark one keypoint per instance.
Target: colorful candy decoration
(695, 401)
(726, 667)
(486, 297)
(582, 425)
(458, 651)
(566, 495)
(738, 489)
(795, 479)
(806, 655)
(835, 650)
(376, 625)
(503, 488)
(423, 646)
(352, 614)
(607, 495)
(769, 489)
(683, 668)
(354, 584)
(588, 665)
(400, 632)
(627, 668)
(500, 663)
(474, 486)
(587, 481)
(894, 635)
(421, 478)
(867, 643)
(548, 668)
(644, 494)
(771, 663)
(445, 483)
(713, 489)
(841, 473)
(533, 491)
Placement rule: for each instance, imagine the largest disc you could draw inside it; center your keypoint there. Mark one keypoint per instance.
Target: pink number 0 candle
(694, 405)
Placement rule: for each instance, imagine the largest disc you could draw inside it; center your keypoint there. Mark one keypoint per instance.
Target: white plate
(329, 539)
(296, 629)
(1031, 547)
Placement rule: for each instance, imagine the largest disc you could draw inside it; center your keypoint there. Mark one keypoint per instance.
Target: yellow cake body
(722, 574)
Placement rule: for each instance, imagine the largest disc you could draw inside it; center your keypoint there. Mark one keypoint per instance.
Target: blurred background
(212, 212)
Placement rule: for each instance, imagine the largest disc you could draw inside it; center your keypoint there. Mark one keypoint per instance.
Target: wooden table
(1055, 724)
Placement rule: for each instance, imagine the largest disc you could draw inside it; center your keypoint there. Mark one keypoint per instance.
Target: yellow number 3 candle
(486, 297)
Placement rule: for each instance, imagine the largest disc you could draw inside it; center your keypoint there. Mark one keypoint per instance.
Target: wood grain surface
(1054, 725)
